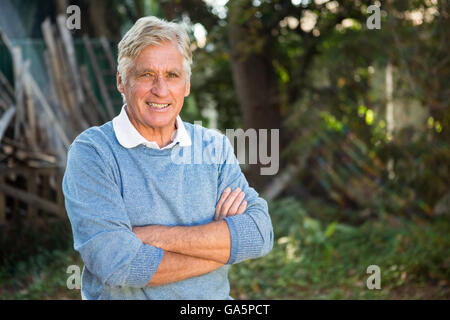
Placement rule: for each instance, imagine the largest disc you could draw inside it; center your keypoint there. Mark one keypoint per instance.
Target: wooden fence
(31, 191)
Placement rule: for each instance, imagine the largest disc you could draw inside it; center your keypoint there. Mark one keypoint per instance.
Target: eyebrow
(137, 71)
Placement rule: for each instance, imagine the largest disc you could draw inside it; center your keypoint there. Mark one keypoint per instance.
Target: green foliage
(360, 197)
(23, 238)
(312, 262)
(312, 259)
(41, 276)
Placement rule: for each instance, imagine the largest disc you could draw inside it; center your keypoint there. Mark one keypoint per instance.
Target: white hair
(150, 31)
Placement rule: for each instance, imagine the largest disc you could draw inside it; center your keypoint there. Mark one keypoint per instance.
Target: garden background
(363, 115)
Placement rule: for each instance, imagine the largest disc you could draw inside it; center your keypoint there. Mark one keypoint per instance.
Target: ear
(188, 89)
(119, 83)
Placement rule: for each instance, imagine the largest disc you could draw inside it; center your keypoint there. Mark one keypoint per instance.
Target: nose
(160, 88)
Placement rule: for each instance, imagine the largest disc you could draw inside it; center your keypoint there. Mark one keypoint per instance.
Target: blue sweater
(109, 189)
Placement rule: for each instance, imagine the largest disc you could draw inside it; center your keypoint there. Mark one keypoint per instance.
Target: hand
(230, 204)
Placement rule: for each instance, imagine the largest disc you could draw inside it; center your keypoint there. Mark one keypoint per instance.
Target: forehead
(162, 56)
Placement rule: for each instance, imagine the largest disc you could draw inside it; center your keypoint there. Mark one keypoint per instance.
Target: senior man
(146, 226)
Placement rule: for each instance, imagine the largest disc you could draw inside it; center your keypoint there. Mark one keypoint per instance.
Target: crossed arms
(195, 250)
(120, 255)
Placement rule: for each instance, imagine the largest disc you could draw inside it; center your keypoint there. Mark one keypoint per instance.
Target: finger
(242, 207)
(223, 197)
(237, 202)
(229, 202)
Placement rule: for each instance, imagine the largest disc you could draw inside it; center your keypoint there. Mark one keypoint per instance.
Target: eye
(146, 74)
(173, 75)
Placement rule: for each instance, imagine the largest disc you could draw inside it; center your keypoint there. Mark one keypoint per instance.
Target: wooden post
(33, 200)
(49, 112)
(108, 53)
(98, 75)
(32, 189)
(45, 186)
(9, 92)
(70, 52)
(59, 193)
(100, 113)
(6, 119)
(50, 42)
(31, 115)
(19, 71)
(2, 203)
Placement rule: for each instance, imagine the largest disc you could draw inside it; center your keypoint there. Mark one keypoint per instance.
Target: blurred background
(363, 115)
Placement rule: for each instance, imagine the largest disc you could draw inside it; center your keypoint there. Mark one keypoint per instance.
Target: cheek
(180, 92)
(138, 90)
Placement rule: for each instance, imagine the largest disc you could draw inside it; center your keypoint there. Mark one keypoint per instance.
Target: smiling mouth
(159, 106)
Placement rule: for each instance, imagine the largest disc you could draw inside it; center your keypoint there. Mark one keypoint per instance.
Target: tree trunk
(256, 86)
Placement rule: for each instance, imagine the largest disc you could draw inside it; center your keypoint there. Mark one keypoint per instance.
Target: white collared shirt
(129, 137)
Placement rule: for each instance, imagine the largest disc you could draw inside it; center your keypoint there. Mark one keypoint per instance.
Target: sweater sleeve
(101, 228)
(251, 232)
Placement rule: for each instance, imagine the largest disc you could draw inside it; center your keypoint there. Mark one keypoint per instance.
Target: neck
(162, 136)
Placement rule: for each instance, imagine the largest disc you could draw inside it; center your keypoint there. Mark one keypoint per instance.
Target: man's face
(156, 87)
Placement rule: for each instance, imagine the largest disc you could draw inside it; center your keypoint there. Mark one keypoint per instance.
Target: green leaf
(330, 229)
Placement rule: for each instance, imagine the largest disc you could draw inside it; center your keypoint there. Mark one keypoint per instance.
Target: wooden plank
(5, 101)
(2, 204)
(45, 186)
(7, 85)
(60, 113)
(32, 189)
(19, 71)
(76, 116)
(31, 199)
(70, 52)
(50, 42)
(93, 109)
(31, 134)
(5, 120)
(96, 106)
(66, 83)
(109, 56)
(3, 104)
(52, 86)
(97, 72)
(53, 120)
(34, 155)
(59, 193)
(20, 170)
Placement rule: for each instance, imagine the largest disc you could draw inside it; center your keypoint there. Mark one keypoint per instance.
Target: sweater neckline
(159, 152)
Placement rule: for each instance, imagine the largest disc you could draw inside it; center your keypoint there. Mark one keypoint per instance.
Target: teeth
(157, 105)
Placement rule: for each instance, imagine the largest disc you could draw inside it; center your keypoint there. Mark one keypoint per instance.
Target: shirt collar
(129, 137)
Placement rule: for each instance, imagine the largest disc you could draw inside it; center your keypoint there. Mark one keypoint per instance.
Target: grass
(311, 259)
(42, 276)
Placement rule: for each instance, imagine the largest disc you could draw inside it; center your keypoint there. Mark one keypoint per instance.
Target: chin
(159, 121)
